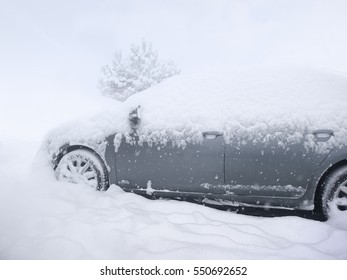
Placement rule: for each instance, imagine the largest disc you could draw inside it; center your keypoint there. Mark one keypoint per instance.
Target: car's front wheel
(83, 166)
(334, 194)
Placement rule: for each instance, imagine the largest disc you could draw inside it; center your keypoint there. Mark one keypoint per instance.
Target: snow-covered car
(271, 138)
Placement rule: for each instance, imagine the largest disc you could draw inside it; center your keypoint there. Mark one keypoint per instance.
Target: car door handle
(323, 135)
(211, 134)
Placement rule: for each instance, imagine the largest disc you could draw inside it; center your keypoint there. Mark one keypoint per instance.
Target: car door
(190, 167)
(275, 167)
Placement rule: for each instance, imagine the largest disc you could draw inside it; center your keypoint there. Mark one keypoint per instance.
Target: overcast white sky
(62, 44)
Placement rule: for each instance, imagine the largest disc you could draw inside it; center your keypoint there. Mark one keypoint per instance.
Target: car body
(277, 165)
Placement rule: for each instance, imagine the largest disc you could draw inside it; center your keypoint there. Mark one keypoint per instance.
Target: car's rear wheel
(83, 166)
(334, 194)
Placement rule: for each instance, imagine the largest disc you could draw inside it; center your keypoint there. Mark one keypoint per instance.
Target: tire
(83, 166)
(334, 194)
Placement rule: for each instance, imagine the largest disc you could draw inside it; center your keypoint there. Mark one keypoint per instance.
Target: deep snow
(49, 69)
(45, 219)
(42, 218)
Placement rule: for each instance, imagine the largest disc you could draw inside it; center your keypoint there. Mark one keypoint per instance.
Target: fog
(54, 49)
(51, 54)
(82, 35)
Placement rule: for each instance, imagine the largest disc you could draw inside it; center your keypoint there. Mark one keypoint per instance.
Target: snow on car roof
(252, 103)
(247, 96)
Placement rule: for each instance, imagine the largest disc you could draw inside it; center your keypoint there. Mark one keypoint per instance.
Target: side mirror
(134, 117)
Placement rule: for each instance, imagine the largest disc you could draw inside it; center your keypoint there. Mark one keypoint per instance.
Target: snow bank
(253, 104)
(42, 218)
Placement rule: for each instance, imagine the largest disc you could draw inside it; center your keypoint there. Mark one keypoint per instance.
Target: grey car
(278, 170)
(214, 172)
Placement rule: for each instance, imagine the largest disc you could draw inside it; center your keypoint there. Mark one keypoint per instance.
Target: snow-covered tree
(139, 71)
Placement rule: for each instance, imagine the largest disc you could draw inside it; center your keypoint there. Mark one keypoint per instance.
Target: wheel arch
(320, 185)
(67, 148)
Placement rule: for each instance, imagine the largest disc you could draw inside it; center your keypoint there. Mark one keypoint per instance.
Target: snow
(257, 104)
(50, 67)
(149, 189)
(246, 104)
(42, 218)
(253, 104)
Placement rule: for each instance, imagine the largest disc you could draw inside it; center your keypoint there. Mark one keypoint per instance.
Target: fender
(335, 159)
